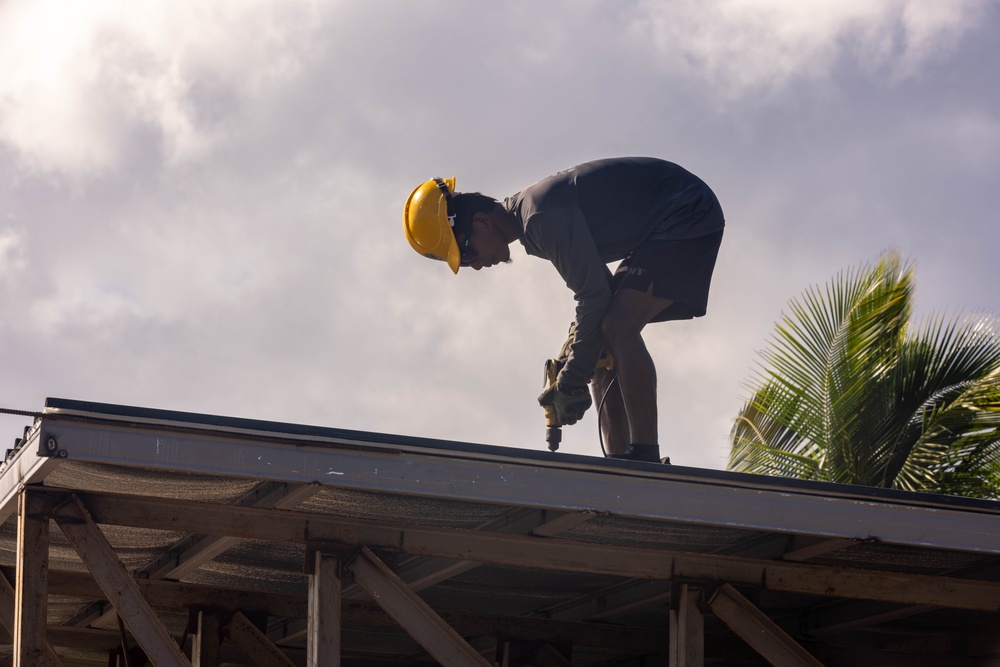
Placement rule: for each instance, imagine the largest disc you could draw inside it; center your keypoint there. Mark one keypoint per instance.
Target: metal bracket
(48, 446)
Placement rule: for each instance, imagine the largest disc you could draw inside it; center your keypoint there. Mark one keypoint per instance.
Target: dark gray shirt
(595, 213)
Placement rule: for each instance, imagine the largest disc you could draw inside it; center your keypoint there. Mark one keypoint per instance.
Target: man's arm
(564, 238)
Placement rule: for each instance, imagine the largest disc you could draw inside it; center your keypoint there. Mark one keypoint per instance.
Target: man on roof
(664, 224)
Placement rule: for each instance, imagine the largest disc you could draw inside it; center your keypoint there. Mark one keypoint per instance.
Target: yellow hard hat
(429, 221)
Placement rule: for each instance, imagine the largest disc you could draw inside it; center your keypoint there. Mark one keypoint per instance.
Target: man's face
(483, 246)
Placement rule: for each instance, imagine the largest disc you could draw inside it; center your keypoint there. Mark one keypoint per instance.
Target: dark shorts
(679, 270)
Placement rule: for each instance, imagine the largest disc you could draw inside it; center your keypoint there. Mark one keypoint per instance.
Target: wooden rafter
(255, 645)
(117, 584)
(413, 614)
(757, 630)
(543, 553)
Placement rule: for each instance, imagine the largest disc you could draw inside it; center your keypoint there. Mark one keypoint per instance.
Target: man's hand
(569, 402)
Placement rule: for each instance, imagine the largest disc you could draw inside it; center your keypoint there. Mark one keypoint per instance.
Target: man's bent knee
(630, 310)
(616, 331)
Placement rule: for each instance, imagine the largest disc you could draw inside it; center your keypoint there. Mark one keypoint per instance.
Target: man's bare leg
(637, 378)
(629, 311)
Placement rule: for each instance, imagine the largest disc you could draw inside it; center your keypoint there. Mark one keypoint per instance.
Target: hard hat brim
(454, 258)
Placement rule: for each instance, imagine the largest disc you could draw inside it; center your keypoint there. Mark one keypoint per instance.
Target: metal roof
(528, 557)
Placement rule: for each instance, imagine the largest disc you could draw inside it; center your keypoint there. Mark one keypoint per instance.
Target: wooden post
(31, 588)
(208, 640)
(325, 590)
(687, 629)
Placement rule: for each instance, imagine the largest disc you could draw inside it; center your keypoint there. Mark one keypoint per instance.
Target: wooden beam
(192, 551)
(828, 620)
(87, 639)
(179, 594)
(255, 644)
(610, 602)
(30, 602)
(207, 640)
(756, 629)
(92, 639)
(806, 549)
(687, 629)
(119, 587)
(543, 553)
(520, 628)
(825, 620)
(323, 647)
(422, 572)
(567, 521)
(413, 614)
(355, 612)
(865, 656)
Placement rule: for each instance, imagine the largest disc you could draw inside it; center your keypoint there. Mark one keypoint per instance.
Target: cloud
(83, 80)
(745, 46)
(11, 251)
(79, 76)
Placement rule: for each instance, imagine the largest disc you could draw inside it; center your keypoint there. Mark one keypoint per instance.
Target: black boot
(648, 453)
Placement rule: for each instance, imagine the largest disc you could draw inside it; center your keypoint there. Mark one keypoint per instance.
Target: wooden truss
(370, 591)
(344, 549)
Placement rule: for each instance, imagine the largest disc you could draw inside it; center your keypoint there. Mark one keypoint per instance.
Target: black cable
(600, 414)
(20, 413)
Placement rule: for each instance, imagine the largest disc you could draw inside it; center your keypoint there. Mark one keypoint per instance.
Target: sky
(201, 201)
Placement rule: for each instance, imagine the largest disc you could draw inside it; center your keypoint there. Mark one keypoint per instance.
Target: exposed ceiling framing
(220, 541)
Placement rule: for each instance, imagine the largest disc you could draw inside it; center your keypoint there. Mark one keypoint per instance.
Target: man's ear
(483, 219)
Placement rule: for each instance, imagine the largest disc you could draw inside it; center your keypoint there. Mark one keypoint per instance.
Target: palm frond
(846, 391)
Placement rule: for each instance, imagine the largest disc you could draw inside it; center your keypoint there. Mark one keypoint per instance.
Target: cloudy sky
(200, 202)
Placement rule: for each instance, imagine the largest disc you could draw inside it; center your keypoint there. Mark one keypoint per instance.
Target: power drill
(553, 429)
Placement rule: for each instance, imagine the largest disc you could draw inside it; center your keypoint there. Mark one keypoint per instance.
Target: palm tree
(850, 392)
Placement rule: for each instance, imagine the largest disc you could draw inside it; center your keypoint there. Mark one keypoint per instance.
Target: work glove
(569, 402)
